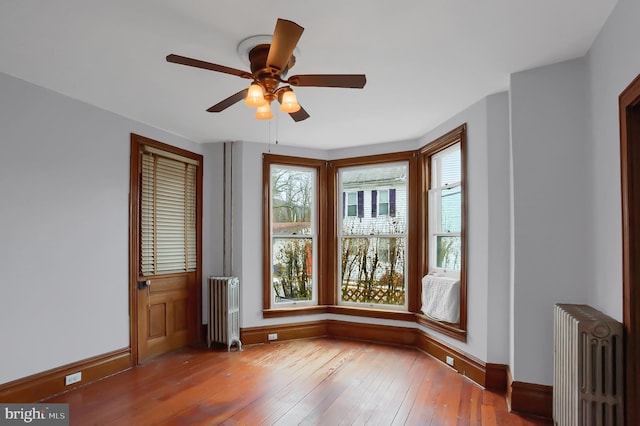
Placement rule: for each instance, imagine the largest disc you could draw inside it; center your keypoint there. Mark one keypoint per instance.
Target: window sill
(445, 328)
(341, 310)
(372, 313)
(292, 312)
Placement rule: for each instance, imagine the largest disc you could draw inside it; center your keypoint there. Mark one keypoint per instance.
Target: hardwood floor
(315, 381)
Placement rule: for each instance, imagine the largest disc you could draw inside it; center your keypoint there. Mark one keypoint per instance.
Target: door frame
(629, 103)
(195, 337)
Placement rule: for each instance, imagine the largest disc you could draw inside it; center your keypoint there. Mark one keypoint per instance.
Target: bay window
(357, 236)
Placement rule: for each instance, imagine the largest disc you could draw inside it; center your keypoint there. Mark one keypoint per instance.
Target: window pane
(448, 250)
(450, 168)
(352, 204)
(391, 215)
(383, 203)
(451, 214)
(373, 271)
(291, 202)
(292, 269)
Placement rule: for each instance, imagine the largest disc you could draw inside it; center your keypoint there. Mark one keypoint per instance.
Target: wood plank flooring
(301, 382)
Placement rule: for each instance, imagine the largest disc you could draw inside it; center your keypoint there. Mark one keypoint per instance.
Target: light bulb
(289, 102)
(264, 112)
(255, 96)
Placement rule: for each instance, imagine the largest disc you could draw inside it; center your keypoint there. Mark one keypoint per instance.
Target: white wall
(553, 256)
(499, 228)
(212, 221)
(613, 63)
(566, 182)
(64, 184)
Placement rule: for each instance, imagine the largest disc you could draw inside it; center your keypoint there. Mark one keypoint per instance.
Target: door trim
(629, 102)
(195, 336)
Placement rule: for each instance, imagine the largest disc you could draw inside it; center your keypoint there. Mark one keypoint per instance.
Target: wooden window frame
(410, 267)
(457, 135)
(321, 199)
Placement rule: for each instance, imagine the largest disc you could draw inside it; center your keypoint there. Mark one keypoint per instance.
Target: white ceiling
(425, 60)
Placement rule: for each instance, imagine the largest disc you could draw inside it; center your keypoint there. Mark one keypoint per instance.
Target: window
(372, 246)
(167, 213)
(291, 224)
(443, 227)
(445, 210)
(294, 235)
(380, 202)
(354, 201)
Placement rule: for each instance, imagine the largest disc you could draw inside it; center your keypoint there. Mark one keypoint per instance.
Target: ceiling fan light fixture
(255, 96)
(264, 112)
(270, 58)
(289, 102)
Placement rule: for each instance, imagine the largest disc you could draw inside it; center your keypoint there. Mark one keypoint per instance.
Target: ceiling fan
(269, 66)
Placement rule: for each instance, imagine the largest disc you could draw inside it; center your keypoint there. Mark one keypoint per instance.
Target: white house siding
(381, 224)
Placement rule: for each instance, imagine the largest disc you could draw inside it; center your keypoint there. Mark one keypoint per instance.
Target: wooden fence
(375, 295)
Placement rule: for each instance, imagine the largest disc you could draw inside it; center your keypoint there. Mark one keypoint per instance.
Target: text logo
(37, 414)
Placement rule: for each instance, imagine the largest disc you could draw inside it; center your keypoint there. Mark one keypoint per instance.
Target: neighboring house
(374, 206)
(374, 201)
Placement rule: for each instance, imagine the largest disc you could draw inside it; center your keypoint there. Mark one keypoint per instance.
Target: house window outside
(352, 204)
(382, 202)
(445, 210)
(372, 245)
(293, 236)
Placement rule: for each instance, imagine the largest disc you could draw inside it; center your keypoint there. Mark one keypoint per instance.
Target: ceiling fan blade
(285, 39)
(222, 105)
(351, 81)
(299, 115)
(183, 60)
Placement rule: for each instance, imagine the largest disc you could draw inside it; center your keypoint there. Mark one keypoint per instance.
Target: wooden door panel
(165, 316)
(157, 314)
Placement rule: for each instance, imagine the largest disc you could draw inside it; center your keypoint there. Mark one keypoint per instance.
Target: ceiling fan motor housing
(269, 78)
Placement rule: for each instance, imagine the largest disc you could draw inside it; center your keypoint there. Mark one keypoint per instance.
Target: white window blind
(168, 213)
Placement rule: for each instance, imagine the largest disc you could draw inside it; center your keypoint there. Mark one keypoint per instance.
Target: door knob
(144, 284)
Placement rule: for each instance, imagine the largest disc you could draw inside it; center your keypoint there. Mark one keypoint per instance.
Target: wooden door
(165, 304)
(630, 170)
